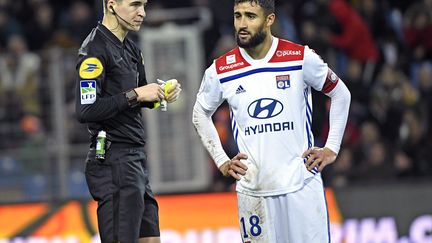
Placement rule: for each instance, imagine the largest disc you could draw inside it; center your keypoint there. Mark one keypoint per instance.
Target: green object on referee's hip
(100, 145)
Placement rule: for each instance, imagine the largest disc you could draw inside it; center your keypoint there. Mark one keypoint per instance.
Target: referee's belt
(109, 145)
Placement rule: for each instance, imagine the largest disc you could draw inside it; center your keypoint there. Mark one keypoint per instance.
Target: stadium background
(379, 190)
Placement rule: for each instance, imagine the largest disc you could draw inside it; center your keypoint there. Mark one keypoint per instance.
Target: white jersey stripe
(236, 134)
(308, 107)
(308, 130)
(234, 129)
(309, 126)
(309, 119)
(233, 124)
(260, 70)
(328, 216)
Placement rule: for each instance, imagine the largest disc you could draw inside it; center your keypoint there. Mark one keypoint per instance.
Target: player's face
(133, 11)
(251, 25)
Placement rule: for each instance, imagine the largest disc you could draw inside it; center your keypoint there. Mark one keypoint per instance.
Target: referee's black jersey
(107, 68)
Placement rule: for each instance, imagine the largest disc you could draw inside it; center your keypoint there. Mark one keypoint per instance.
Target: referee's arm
(142, 82)
(102, 108)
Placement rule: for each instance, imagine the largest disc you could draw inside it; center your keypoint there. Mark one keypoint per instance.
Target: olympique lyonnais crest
(283, 82)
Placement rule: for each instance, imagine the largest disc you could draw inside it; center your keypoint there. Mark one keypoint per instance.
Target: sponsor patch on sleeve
(88, 91)
(90, 68)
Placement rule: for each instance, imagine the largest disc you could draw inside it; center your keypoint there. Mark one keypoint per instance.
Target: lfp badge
(283, 81)
(88, 91)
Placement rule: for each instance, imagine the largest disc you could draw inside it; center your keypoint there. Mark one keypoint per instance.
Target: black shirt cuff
(122, 101)
(148, 105)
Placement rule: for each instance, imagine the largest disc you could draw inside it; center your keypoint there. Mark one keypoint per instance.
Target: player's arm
(340, 102)
(208, 99)
(210, 139)
(90, 106)
(339, 108)
(321, 77)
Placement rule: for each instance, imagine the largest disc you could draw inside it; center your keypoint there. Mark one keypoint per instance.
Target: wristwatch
(132, 97)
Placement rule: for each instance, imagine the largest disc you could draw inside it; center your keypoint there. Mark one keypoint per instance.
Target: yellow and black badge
(90, 68)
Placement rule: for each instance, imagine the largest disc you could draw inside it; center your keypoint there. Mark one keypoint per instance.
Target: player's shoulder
(283, 43)
(288, 51)
(230, 61)
(235, 51)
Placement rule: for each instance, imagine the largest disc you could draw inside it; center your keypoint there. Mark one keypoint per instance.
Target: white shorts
(297, 217)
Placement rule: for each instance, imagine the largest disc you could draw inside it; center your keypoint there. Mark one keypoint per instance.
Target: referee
(110, 92)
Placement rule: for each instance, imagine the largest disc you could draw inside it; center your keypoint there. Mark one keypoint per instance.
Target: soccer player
(111, 90)
(267, 83)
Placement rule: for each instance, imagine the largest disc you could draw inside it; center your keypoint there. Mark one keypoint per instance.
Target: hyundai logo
(265, 108)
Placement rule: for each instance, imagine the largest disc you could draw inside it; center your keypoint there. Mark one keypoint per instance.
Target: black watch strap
(132, 97)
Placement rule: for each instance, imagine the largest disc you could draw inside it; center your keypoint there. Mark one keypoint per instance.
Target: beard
(254, 41)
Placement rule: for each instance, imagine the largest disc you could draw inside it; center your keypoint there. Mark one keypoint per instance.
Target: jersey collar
(267, 57)
(108, 34)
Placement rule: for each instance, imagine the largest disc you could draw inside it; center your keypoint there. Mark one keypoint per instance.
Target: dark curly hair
(267, 5)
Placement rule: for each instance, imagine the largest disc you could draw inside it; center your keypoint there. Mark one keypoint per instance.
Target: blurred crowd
(28, 28)
(382, 50)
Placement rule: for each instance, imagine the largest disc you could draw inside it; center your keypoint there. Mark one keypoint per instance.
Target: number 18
(255, 228)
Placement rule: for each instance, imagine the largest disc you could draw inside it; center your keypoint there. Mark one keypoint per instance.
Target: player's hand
(173, 92)
(318, 157)
(234, 167)
(150, 93)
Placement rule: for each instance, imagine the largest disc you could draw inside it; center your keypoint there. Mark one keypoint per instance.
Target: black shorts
(127, 209)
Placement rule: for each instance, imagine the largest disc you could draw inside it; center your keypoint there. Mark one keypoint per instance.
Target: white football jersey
(271, 111)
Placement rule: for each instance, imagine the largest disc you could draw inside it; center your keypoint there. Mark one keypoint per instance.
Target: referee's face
(131, 13)
(251, 25)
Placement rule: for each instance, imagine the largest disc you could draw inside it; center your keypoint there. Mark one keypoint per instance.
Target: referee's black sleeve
(143, 79)
(100, 108)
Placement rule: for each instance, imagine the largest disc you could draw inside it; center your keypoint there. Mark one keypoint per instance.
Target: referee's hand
(234, 167)
(150, 93)
(173, 92)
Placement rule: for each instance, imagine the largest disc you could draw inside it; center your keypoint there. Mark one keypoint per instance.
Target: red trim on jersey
(330, 82)
(288, 51)
(230, 61)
